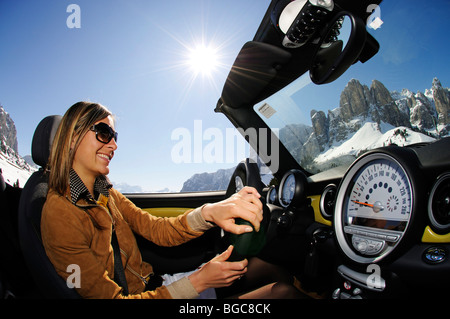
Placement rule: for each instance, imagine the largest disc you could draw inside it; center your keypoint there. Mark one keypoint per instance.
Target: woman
(83, 214)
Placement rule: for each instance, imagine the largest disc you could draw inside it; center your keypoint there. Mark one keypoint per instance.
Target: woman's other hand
(218, 272)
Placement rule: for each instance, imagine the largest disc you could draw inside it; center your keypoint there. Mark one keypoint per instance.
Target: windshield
(398, 97)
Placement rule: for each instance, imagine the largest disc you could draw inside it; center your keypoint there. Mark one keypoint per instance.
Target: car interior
(377, 228)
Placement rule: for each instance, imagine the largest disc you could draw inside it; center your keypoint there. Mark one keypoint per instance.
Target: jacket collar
(79, 191)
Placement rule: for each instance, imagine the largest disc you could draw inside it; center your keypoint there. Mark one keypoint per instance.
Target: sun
(203, 60)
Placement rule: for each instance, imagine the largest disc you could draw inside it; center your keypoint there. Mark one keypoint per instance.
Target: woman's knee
(282, 290)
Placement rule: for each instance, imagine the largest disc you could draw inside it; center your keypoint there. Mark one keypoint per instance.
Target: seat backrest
(15, 274)
(32, 200)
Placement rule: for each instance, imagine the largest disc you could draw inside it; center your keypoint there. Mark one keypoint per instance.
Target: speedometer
(292, 190)
(380, 195)
(373, 207)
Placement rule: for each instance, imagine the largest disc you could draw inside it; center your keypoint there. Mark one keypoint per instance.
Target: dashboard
(392, 211)
(389, 211)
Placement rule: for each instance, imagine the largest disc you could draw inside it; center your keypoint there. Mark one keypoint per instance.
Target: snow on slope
(12, 172)
(369, 136)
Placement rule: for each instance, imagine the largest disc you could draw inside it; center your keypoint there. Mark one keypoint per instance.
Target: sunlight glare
(203, 59)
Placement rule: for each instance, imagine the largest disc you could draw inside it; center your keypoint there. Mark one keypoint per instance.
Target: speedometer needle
(360, 203)
(377, 206)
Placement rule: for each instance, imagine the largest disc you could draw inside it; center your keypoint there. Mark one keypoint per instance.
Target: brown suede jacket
(81, 234)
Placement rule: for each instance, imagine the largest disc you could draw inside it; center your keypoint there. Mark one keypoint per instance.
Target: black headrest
(43, 139)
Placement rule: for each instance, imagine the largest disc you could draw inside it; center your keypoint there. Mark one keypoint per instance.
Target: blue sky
(130, 56)
(127, 55)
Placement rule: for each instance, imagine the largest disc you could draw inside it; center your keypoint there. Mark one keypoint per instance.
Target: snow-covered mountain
(208, 181)
(14, 174)
(126, 188)
(15, 169)
(367, 118)
(369, 136)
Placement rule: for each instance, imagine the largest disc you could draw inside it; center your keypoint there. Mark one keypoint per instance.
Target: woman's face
(92, 157)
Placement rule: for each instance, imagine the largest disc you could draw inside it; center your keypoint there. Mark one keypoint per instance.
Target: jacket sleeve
(163, 231)
(66, 238)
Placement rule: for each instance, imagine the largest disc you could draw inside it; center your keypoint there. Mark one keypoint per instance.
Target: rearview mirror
(340, 45)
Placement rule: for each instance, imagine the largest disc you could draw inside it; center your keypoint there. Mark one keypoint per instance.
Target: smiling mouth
(106, 157)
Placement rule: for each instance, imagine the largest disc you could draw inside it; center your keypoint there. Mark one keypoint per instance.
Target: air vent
(439, 204)
(327, 201)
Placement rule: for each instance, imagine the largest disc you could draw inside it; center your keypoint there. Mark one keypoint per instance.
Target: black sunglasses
(104, 133)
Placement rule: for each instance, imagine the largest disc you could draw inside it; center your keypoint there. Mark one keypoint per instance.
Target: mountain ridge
(424, 113)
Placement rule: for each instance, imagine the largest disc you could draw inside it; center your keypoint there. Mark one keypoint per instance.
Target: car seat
(32, 200)
(15, 279)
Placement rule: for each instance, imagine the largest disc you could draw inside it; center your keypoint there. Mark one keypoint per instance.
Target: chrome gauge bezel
(329, 188)
(435, 223)
(389, 239)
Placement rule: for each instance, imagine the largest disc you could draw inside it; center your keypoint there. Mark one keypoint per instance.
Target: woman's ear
(73, 143)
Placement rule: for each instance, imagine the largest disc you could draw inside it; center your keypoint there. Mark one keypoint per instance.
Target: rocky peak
(320, 126)
(15, 169)
(436, 83)
(354, 100)
(441, 98)
(8, 133)
(379, 94)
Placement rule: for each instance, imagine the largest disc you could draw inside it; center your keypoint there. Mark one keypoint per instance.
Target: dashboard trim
(318, 217)
(429, 236)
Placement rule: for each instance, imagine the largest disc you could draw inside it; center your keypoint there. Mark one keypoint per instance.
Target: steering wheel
(247, 244)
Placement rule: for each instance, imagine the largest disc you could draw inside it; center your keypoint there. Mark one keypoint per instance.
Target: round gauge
(292, 188)
(271, 195)
(239, 183)
(288, 190)
(373, 207)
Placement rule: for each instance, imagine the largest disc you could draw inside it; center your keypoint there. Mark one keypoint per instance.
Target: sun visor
(254, 68)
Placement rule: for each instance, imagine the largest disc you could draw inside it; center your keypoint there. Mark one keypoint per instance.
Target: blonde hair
(75, 123)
